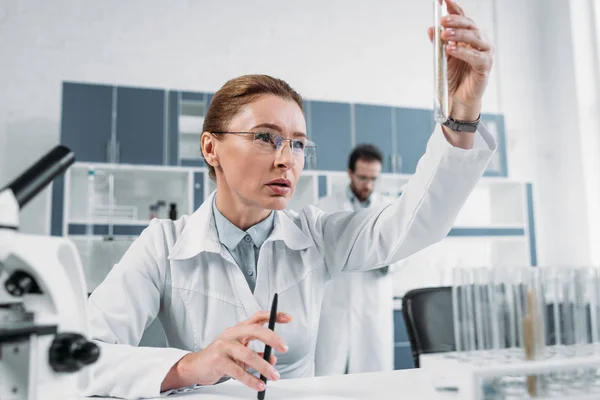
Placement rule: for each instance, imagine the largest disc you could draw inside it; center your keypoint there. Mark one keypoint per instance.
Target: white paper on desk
(227, 391)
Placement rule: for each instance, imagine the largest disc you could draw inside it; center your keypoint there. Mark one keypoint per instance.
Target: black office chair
(428, 318)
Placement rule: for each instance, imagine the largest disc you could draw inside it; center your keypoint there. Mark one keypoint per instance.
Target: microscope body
(43, 318)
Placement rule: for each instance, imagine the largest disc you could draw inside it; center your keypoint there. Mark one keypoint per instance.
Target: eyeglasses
(365, 179)
(269, 142)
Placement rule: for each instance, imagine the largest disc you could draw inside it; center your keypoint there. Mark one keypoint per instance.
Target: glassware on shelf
(173, 211)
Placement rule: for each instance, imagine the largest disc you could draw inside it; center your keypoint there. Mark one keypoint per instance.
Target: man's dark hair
(365, 152)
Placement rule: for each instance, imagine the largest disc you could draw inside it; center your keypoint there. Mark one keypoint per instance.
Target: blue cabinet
(403, 358)
(57, 203)
(86, 120)
(413, 129)
(198, 189)
(141, 126)
(374, 125)
(173, 128)
(93, 114)
(400, 335)
(330, 130)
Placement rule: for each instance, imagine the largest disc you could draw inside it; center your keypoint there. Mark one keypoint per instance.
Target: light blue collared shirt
(356, 203)
(243, 246)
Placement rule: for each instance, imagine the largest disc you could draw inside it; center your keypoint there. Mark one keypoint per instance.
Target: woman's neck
(237, 212)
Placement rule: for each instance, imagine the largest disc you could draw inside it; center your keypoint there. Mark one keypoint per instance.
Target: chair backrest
(428, 317)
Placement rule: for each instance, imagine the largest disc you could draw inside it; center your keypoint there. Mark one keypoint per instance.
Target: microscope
(43, 296)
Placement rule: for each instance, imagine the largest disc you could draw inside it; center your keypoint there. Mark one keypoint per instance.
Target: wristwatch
(462, 126)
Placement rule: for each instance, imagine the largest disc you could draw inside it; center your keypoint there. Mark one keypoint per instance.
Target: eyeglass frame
(366, 179)
(308, 144)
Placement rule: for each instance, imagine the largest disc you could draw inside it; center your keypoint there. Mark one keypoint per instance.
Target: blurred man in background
(356, 325)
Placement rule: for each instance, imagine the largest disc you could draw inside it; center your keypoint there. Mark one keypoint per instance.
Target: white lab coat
(356, 328)
(179, 272)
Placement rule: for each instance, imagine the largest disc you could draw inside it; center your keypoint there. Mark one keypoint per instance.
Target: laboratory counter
(407, 384)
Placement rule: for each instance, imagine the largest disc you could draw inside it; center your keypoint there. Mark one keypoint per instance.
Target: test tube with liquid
(440, 64)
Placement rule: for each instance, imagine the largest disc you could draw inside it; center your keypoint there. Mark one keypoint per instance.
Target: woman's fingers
(458, 22)
(246, 333)
(262, 317)
(273, 358)
(251, 359)
(454, 8)
(430, 33)
(467, 36)
(476, 59)
(239, 373)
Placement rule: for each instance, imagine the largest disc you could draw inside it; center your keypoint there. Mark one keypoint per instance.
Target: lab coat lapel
(195, 237)
(287, 232)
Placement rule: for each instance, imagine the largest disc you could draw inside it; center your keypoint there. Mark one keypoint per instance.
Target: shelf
(191, 124)
(113, 222)
(133, 191)
(192, 108)
(508, 231)
(102, 230)
(133, 168)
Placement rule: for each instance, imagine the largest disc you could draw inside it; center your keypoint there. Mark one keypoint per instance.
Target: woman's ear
(208, 148)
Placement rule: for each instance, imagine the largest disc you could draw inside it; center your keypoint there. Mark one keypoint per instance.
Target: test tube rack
(469, 373)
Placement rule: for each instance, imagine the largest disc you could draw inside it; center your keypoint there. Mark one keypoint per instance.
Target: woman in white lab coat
(212, 295)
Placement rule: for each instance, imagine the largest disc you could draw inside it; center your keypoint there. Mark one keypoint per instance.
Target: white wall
(356, 51)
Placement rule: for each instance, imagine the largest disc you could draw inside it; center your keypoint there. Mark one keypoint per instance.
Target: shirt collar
(230, 235)
(355, 201)
(200, 233)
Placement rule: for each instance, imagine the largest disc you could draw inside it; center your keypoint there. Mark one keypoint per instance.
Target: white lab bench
(406, 384)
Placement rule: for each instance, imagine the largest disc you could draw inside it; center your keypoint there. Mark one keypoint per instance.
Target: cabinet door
(330, 130)
(58, 202)
(141, 128)
(198, 189)
(374, 126)
(413, 130)
(403, 358)
(173, 128)
(86, 120)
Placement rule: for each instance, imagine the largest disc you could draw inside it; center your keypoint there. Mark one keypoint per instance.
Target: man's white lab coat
(356, 329)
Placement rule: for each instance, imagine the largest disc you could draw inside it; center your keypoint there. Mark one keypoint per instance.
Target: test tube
(440, 63)
(483, 326)
(556, 282)
(498, 311)
(457, 278)
(534, 315)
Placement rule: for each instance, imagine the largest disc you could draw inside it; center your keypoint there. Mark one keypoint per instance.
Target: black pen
(272, 318)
